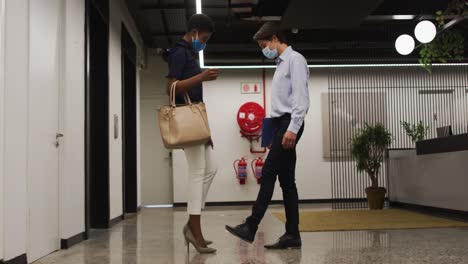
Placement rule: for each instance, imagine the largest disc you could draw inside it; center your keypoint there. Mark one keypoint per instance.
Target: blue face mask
(269, 53)
(197, 45)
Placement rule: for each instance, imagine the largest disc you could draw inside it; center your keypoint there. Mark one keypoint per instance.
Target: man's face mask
(270, 53)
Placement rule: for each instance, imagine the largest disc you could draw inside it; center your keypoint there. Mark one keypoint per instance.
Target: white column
(15, 131)
(2, 86)
(72, 163)
(115, 108)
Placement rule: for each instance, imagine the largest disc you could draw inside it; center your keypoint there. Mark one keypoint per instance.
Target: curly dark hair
(201, 22)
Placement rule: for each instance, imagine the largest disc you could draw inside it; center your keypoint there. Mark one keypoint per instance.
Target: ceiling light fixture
(403, 17)
(390, 17)
(334, 66)
(198, 6)
(201, 56)
(202, 60)
(159, 206)
(425, 31)
(404, 44)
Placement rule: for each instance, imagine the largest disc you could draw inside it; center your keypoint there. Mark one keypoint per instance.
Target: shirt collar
(284, 56)
(182, 42)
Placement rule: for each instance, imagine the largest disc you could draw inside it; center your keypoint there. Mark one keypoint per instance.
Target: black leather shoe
(286, 242)
(243, 231)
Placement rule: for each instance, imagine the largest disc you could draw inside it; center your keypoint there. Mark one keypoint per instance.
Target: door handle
(57, 137)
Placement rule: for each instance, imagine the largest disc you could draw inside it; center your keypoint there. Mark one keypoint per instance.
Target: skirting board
(455, 214)
(69, 242)
(23, 259)
(116, 220)
(239, 203)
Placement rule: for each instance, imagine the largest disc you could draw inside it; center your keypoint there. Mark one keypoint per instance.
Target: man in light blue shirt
(290, 92)
(290, 103)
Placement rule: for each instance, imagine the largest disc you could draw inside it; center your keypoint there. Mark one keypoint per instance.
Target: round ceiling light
(425, 31)
(404, 44)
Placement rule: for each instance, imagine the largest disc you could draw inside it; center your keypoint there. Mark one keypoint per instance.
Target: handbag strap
(187, 99)
(172, 95)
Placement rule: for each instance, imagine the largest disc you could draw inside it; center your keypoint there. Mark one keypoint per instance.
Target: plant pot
(376, 197)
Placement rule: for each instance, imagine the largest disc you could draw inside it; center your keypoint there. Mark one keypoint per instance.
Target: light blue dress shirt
(290, 91)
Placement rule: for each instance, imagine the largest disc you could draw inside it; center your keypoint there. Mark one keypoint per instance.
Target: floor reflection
(155, 237)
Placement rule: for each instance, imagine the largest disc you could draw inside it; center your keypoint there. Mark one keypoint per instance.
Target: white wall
(2, 84)
(15, 128)
(72, 170)
(14, 120)
(118, 14)
(156, 174)
(223, 99)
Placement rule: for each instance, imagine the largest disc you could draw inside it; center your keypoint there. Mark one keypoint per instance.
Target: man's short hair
(201, 22)
(270, 29)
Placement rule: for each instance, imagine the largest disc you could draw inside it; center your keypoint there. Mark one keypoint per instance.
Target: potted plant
(415, 132)
(368, 150)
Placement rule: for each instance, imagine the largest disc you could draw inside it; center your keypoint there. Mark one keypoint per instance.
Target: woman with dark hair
(184, 68)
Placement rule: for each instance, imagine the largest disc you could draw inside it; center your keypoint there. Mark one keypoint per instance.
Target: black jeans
(282, 163)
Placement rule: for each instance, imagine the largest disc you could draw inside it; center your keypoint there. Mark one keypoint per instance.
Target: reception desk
(442, 145)
(436, 178)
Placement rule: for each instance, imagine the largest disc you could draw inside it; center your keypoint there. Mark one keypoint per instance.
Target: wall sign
(251, 88)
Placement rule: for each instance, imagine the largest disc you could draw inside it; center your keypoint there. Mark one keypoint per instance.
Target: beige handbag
(183, 125)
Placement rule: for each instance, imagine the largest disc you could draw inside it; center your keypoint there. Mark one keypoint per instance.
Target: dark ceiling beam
(165, 26)
(226, 48)
(187, 12)
(392, 7)
(169, 34)
(184, 6)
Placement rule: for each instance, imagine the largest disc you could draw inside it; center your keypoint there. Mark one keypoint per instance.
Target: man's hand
(289, 140)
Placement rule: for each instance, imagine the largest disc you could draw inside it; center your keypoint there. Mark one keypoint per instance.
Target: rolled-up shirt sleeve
(176, 63)
(299, 73)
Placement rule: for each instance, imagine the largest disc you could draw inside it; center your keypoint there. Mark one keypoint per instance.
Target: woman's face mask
(197, 44)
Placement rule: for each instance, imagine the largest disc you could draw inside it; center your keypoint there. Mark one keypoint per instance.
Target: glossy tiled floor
(155, 237)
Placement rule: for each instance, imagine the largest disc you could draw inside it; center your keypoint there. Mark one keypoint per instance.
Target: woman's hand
(209, 75)
(210, 143)
(289, 140)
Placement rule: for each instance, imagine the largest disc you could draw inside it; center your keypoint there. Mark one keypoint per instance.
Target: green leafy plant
(448, 45)
(368, 150)
(416, 132)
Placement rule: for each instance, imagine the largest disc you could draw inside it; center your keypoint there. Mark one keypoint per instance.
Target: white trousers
(202, 169)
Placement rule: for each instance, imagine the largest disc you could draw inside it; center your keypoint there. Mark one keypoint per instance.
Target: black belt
(285, 117)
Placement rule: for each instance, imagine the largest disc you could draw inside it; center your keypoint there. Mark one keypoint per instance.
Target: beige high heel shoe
(190, 239)
(207, 242)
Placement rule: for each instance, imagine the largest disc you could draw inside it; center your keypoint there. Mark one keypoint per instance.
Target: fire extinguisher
(240, 167)
(257, 169)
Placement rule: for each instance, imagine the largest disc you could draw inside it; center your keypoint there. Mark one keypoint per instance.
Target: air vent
(436, 91)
